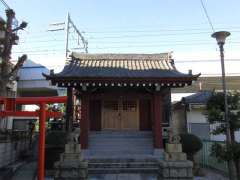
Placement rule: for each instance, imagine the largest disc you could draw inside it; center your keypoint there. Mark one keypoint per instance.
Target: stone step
(120, 164)
(119, 153)
(130, 159)
(114, 143)
(108, 166)
(122, 145)
(116, 149)
(122, 170)
(113, 134)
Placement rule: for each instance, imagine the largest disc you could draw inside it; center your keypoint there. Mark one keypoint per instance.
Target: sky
(132, 26)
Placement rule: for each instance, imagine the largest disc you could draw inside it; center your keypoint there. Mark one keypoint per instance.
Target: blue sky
(133, 26)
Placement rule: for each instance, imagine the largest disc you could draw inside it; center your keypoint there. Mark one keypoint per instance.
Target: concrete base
(175, 156)
(173, 147)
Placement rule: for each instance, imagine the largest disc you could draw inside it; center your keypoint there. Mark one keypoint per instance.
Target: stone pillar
(157, 105)
(84, 122)
(175, 164)
(71, 165)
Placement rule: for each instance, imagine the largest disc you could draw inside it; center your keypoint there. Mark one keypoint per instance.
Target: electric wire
(5, 4)
(208, 17)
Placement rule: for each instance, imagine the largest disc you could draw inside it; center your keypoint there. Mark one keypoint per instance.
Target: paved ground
(211, 175)
(25, 172)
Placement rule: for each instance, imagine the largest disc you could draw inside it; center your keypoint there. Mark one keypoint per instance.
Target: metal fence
(204, 158)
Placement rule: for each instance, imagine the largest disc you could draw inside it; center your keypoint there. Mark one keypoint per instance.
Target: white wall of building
(196, 116)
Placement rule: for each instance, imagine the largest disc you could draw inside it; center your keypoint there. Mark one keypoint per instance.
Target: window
(111, 105)
(130, 106)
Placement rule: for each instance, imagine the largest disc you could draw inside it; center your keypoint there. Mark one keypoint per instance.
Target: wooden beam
(39, 100)
(29, 114)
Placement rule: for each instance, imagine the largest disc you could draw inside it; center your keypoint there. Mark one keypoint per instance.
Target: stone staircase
(114, 152)
(117, 166)
(120, 143)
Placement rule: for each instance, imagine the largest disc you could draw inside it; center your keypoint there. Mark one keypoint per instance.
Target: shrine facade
(120, 92)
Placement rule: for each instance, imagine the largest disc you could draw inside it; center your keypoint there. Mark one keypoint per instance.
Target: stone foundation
(171, 170)
(71, 165)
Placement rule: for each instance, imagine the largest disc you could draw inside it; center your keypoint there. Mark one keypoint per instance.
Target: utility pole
(67, 33)
(69, 24)
(8, 38)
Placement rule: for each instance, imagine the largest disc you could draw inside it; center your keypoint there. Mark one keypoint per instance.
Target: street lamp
(221, 36)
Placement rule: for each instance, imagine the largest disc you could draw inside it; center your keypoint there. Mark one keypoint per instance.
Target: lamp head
(23, 25)
(221, 36)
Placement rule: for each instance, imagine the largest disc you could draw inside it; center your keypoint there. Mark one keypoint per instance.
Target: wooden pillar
(157, 115)
(69, 110)
(41, 146)
(84, 122)
(10, 104)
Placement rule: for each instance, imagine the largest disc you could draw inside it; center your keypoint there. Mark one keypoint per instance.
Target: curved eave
(55, 79)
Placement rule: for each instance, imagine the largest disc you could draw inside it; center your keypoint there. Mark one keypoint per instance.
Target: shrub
(55, 143)
(191, 144)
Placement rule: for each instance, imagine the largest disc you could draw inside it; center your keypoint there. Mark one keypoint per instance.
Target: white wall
(196, 116)
(222, 137)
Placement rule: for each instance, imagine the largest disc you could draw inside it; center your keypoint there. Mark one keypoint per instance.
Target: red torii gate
(10, 110)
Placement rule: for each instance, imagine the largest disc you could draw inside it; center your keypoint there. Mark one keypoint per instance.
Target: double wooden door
(120, 114)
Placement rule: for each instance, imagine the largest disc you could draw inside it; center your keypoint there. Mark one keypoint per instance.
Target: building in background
(31, 83)
(189, 115)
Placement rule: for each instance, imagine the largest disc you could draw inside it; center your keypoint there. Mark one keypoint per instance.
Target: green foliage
(56, 138)
(55, 143)
(215, 111)
(190, 143)
(226, 152)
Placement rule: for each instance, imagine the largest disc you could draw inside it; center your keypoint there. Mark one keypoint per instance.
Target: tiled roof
(125, 61)
(120, 66)
(200, 97)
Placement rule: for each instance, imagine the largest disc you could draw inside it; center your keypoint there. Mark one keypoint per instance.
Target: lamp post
(221, 36)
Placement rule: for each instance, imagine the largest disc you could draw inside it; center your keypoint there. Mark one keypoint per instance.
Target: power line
(43, 50)
(5, 4)
(208, 17)
(204, 61)
(140, 45)
(155, 30)
(135, 46)
(39, 38)
(130, 30)
(152, 35)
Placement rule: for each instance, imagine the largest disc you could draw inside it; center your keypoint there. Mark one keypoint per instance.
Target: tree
(215, 114)
(8, 38)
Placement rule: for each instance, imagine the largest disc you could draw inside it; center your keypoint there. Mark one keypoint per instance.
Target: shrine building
(122, 93)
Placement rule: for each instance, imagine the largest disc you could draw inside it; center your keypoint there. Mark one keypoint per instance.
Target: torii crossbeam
(10, 110)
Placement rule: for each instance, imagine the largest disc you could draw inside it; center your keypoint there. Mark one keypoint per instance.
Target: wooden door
(129, 115)
(120, 114)
(95, 115)
(111, 115)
